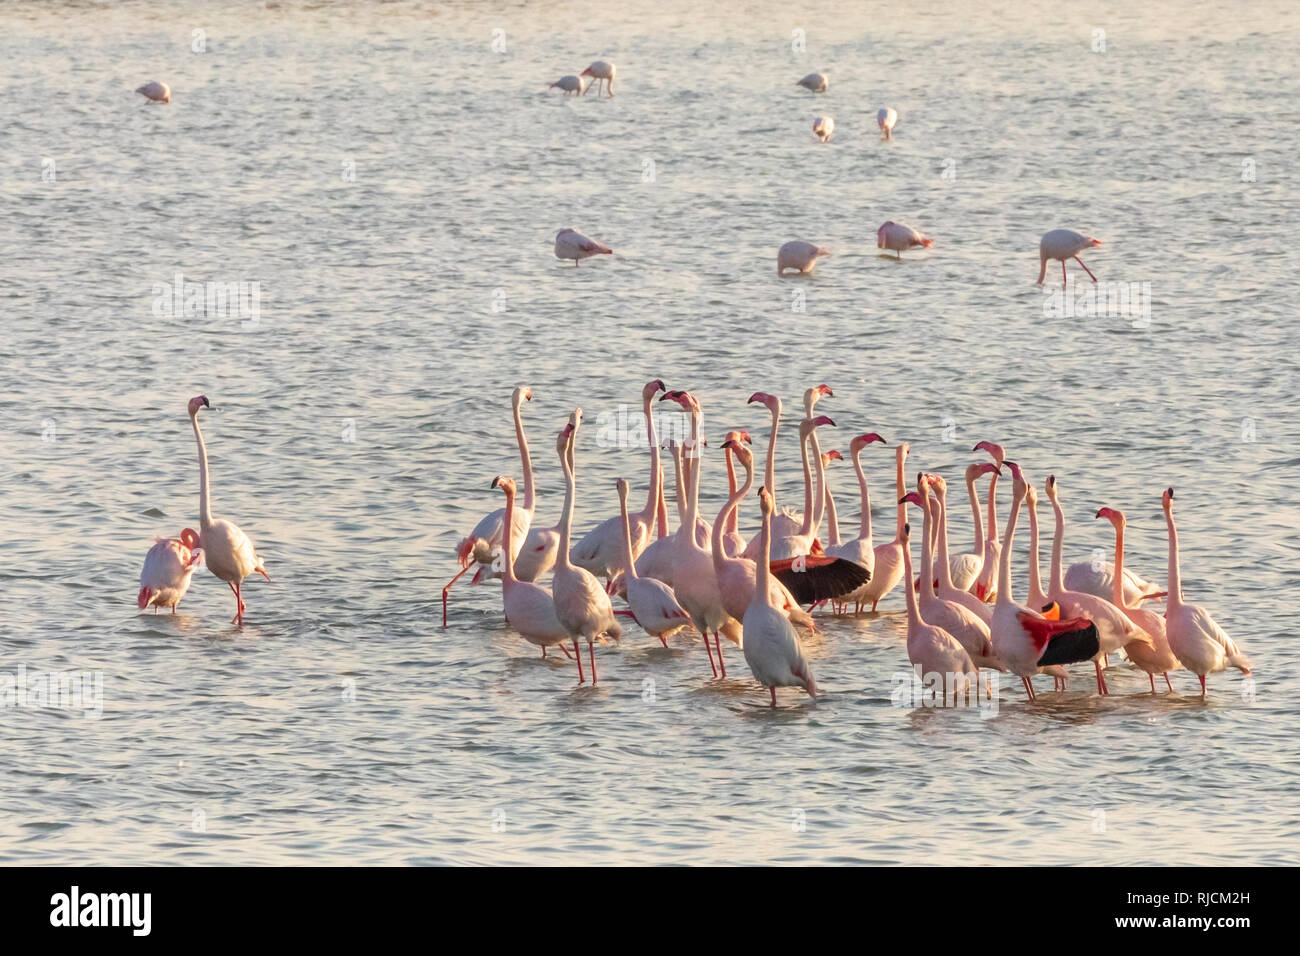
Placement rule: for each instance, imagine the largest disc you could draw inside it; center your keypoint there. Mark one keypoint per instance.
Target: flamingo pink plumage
(168, 568)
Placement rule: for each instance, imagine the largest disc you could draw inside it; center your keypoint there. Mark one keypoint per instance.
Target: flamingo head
(653, 388)
(999, 454)
(684, 399)
(586, 72)
(1031, 496)
(622, 486)
(906, 534)
(912, 498)
(808, 425)
(1167, 500)
(830, 456)
(1016, 473)
(190, 538)
(1094, 242)
(742, 453)
(770, 402)
(901, 451)
(823, 390)
(505, 484)
(197, 402)
(927, 242)
(738, 436)
(862, 441)
(1112, 515)
(575, 419)
(765, 501)
(521, 394)
(1050, 487)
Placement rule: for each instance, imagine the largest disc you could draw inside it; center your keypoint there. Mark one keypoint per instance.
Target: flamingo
(816, 82)
(737, 575)
(481, 545)
(600, 71)
(733, 542)
(570, 84)
(799, 255)
(898, 237)
(1023, 639)
(772, 649)
(1063, 244)
(529, 607)
(1195, 638)
(888, 567)
(885, 119)
(155, 92)
(856, 551)
(1037, 596)
(695, 582)
(984, 587)
(226, 550)
(571, 244)
(656, 561)
(932, 651)
(1097, 577)
(1114, 630)
(581, 604)
(1157, 659)
(801, 542)
(964, 568)
(824, 128)
(959, 622)
(168, 568)
(537, 556)
(860, 550)
(653, 604)
(600, 550)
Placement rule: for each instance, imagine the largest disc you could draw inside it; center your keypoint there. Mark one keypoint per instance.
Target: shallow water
(342, 724)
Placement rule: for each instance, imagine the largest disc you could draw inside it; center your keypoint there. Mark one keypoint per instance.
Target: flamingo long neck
(941, 506)
(992, 533)
(1117, 585)
(864, 523)
(693, 492)
(656, 475)
(927, 547)
(913, 612)
(566, 516)
(832, 522)
(1036, 595)
(205, 507)
(1058, 543)
(629, 566)
(662, 510)
(902, 490)
(819, 501)
(806, 527)
(975, 514)
(1004, 562)
(530, 494)
(1175, 586)
(507, 541)
(679, 487)
(762, 573)
(769, 471)
(732, 519)
(725, 515)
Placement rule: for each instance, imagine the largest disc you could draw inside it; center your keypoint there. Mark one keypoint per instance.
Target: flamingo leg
(1101, 681)
(717, 642)
(543, 652)
(239, 605)
(1029, 688)
(1153, 682)
(565, 649)
(772, 690)
(591, 652)
(1202, 679)
(1064, 283)
(1085, 268)
(448, 588)
(578, 654)
(663, 640)
(709, 650)
(1167, 684)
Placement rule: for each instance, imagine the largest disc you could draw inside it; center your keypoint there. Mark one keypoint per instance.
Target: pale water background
(377, 307)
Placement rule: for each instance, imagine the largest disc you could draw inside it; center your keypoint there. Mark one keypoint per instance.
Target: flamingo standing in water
(529, 607)
(948, 587)
(1157, 659)
(898, 238)
(482, 543)
(656, 561)
(155, 92)
(600, 550)
(816, 82)
(772, 649)
(862, 544)
(226, 549)
(799, 255)
(888, 567)
(1023, 639)
(570, 84)
(1063, 244)
(801, 542)
(733, 542)
(571, 244)
(653, 604)
(965, 568)
(168, 568)
(600, 71)
(1114, 630)
(885, 119)
(934, 653)
(824, 128)
(1195, 638)
(1037, 597)
(581, 604)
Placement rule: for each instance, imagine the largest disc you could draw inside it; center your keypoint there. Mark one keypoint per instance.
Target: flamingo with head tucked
(1063, 244)
(886, 117)
(815, 82)
(570, 84)
(155, 92)
(168, 568)
(571, 244)
(1194, 636)
(824, 128)
(898, 237)
(226, 549)
(799, 255)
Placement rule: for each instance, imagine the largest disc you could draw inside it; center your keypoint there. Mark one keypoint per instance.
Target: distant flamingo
(155, 92)
(481, 545)
(1157, 659)
(581, 604)
(168, 568)
(1195, 638)
(888, 568)
(935, 654)
(898, 238)
(653, 604)
(601, 72)
(571, 244)
(226, 550)
(570, 84)
(1063, 244)
(799, 255)
(600, 550)
(772, 649)
(885, 119)
(824, 128)
(529, 607)
(816, 82)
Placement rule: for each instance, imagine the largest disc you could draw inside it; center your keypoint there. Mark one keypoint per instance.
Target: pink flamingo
(155, 92)
(1063, 244)
(168, 568)
(888, 568)
(1157, 659)
(799, 255)
(571, 244)
(885, 119)
(600, 71)
(816, 82)
(898, 238)
(933, 652)
(529, 607)
(733, 542)
(824, 128)
(860, 550)
(653, 604)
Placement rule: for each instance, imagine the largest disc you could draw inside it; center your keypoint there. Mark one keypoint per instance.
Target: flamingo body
(571, 244)
(168, 567)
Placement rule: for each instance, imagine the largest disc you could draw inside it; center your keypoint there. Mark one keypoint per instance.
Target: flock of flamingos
(962, 615)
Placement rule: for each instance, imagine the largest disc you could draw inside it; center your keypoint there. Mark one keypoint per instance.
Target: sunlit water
(393, 184)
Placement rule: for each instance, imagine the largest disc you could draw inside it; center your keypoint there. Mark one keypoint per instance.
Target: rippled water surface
(393, 184)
